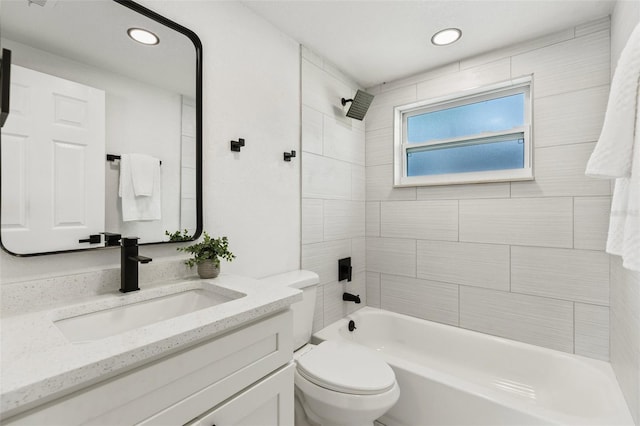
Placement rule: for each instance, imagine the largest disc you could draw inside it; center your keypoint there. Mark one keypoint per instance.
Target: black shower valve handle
(345, 271)
(288, 156)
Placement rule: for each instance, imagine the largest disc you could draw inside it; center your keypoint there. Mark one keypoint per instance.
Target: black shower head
(359, 105)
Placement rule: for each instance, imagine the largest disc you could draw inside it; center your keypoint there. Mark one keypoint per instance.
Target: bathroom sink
(109, 322)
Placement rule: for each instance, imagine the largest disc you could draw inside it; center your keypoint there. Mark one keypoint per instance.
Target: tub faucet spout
(348, 297)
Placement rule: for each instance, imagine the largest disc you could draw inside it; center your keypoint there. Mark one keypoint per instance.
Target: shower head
(359, 105)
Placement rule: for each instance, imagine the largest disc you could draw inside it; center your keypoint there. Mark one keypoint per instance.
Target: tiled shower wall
(625, 284)
(333, 187)
(521, 260)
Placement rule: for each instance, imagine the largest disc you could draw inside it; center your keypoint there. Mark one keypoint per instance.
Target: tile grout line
(574, 327)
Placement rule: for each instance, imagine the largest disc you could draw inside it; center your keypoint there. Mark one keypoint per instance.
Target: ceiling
(384, 40)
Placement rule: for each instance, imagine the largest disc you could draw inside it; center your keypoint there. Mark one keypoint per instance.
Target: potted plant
(207, 254)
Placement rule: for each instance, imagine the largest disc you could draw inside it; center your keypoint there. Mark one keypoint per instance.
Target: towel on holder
(140, 189)
(617, 155)
(143, 173)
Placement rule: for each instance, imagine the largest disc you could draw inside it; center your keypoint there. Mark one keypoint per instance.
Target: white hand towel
(139, 207)
(143, 172)
(617, 155)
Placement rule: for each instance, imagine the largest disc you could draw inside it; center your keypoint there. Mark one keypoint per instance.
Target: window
(478, 136)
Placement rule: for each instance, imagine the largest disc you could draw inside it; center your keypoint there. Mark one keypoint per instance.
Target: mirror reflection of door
(54, 140)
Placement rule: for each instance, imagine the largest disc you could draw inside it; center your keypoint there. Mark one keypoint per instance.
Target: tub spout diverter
(348, 297)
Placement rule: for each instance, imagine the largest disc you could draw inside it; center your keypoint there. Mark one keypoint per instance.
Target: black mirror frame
(199, 202)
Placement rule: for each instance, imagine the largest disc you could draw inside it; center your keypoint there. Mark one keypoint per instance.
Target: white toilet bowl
(336, 384)
(343, 384)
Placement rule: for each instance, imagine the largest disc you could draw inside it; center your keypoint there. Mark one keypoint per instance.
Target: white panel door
(53, 161)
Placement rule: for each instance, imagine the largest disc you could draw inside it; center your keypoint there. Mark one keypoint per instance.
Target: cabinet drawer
(230, 362)
(267, 403)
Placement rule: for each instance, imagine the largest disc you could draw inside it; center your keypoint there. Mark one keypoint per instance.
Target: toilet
(336, 384)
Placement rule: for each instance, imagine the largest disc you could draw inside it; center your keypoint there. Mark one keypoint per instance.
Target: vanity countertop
(39, 364)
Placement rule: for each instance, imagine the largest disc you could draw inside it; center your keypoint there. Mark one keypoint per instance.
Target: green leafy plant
(178, 236)
(208, 249)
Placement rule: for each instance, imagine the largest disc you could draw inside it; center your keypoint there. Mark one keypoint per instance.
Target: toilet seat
(346, 368)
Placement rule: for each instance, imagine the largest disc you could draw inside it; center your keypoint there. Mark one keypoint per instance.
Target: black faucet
(348, 297)
(129, 259)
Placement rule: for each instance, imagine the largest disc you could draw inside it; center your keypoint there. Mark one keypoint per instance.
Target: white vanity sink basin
(109, 322)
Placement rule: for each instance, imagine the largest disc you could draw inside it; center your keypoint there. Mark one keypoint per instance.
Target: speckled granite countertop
(39, 364)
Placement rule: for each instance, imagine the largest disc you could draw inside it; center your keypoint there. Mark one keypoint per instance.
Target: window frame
(403, 112)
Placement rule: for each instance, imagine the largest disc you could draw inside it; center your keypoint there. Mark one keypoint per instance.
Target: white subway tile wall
(457, 192)
(392, 256)
(470, 78)
(591, 222)
(373, 289)
(431, 300)
(625, 285)
(546, 222)
(570, 118)
(559, 171)
(379, 185)
(434, 220)
(333, 188)
(521, 260)
(625, 332)
(478, 265)
(538, 320)
(568, 274)
(592, 330)
(372, 214)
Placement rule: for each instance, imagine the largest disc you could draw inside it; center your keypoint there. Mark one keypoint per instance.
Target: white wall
(251, 90)
(625, 284)
(522, 260)
(333, 206)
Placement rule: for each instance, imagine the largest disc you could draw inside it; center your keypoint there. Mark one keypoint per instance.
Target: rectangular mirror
(104, 132)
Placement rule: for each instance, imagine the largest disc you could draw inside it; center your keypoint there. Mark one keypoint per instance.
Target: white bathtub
(451, 376)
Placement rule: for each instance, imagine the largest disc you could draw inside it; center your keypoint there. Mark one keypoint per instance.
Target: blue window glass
(493, 115)
(501, 154)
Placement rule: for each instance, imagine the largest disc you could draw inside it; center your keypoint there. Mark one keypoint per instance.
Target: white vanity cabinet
(241, 377)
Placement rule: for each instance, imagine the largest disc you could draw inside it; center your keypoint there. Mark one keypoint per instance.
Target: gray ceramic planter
(208, 269)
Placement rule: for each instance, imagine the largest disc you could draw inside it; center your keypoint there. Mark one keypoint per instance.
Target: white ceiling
(383, 40)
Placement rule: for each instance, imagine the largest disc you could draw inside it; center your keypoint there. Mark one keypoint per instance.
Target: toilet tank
(307, 282)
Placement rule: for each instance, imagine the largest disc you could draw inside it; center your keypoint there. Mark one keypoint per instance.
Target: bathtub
(451, 376)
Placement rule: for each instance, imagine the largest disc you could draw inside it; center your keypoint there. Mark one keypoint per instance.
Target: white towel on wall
(617, 155)
(140, 174)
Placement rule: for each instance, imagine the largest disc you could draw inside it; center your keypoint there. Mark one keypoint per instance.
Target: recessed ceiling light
(143, 36)
(448, 36)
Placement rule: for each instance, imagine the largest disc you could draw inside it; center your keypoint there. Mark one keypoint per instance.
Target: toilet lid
(347, 368)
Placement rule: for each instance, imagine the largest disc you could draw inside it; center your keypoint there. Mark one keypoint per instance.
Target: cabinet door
(267, 403)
